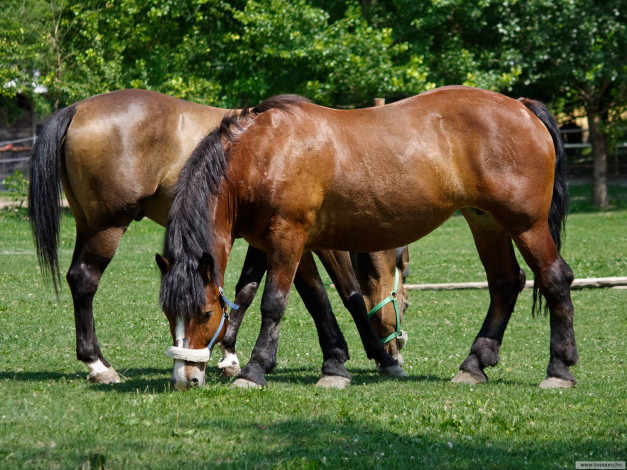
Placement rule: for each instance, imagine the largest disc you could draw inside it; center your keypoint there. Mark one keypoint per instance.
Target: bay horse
(118, 156)
(290, 177)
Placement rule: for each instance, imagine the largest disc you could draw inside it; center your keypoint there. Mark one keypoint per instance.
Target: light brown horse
(118, 156)
(291, 176)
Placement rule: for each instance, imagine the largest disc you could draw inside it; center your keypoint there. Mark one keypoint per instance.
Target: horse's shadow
(157, 380)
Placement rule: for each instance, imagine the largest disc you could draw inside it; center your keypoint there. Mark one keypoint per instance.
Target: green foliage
(294, 47)
(576, 48)
(16, 186)
(26, 55)
(236, 52)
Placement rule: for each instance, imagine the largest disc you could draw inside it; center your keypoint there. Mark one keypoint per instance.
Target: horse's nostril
(194, 382)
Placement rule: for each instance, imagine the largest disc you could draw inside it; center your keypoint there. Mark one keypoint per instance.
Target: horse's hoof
(392, 371)
(110, 376)
(230, 371)
(245, 383)
(464, 377)
(333, 381)
(554, 382)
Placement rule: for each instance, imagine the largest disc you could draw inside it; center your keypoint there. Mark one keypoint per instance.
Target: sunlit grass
(51, 417)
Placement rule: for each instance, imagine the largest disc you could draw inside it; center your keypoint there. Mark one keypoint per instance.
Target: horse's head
(386, 297)
(195, 307)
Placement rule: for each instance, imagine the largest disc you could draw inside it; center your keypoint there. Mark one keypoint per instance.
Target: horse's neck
(223, 217)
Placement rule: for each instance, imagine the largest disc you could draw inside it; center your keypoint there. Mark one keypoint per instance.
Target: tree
(292, 46)
(568, 52)
(26, 54)
(576, 49)
(171, 47)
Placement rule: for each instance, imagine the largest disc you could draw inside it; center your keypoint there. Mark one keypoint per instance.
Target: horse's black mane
(188, 230)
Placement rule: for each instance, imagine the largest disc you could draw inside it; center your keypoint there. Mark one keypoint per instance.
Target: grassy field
(51, 417)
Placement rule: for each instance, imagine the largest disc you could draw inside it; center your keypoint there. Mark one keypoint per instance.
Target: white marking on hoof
(333, 381)
(554, 382)
(97, 367)
(244, 383)
(464, 377)
(392, 371)
(229, 364)
(106, 376)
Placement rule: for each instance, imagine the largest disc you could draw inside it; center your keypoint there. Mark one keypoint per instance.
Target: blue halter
(224, 302)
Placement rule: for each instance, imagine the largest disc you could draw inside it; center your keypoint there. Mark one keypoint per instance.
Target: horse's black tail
(559, 203)
(44, 199)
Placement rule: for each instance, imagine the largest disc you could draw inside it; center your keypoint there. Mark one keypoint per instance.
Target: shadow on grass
(347, 441)
(132, 379)
(40, 376)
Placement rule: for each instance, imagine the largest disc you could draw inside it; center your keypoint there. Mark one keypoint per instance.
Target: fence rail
(14, 158)
(18, 141)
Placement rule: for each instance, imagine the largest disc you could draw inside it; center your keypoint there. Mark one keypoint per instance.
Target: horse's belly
(353, 229)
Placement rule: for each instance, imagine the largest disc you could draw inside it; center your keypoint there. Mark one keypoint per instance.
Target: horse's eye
(208, 313)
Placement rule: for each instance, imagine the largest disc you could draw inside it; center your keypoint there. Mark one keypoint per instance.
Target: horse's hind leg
(252, 272)
(92, 254)
(553, 278)
(505, 281)
(332, 342)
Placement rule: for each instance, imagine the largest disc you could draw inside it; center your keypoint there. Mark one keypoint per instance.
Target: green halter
(390, 298)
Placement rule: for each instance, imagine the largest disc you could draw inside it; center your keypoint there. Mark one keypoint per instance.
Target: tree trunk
(599, 152)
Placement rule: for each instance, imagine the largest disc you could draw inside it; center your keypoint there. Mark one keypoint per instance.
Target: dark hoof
(110, 376)
(392, 371)
(333, 381)
(464, 377)
(555, 382)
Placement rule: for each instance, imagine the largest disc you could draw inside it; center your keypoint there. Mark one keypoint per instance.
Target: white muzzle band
(190, 355)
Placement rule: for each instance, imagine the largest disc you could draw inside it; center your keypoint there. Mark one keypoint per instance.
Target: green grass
(51, 417)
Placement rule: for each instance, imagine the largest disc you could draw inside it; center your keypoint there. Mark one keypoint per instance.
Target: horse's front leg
(252, 272)
(332, 343)
(283, 261)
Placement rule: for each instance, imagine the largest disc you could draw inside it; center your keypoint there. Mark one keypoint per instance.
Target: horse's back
(125, 149)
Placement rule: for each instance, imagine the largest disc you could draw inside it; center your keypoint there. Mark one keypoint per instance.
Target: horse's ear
(205, 266)
(164, 264)
(402, 260)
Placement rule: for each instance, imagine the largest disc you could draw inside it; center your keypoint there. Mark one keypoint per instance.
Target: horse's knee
(556, 281)
(273, 305)
(82, 280)
(246, 294)
(522, 279)
(354, 302)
